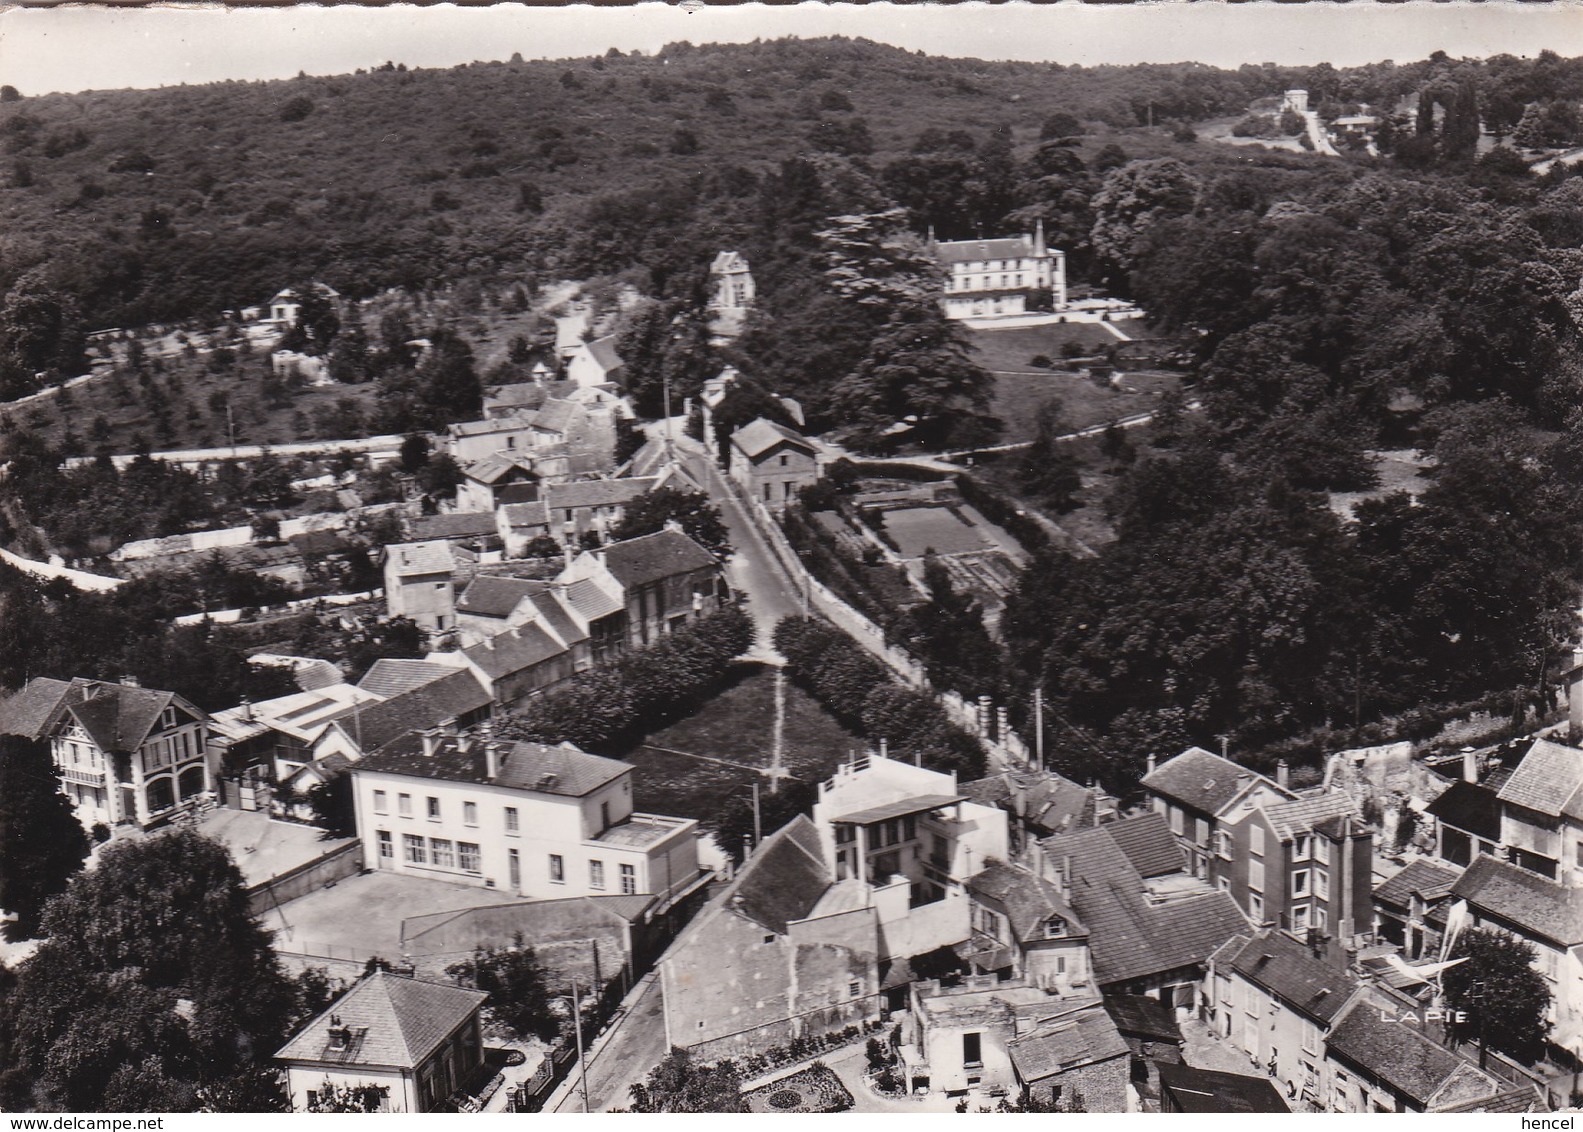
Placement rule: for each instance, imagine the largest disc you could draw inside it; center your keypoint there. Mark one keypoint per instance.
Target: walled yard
(729, 740)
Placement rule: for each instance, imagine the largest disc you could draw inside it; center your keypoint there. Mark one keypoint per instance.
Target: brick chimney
(1283, 775)
(1150, 764)
(1470, 760)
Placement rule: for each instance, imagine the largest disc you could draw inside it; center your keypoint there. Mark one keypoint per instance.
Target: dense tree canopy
(41, 842)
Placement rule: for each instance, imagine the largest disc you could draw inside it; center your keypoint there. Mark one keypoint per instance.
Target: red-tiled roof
(514, 650)
(488, 595)
(1400, 1055)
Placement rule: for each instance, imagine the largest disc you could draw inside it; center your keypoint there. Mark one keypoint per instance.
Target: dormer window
(1054, 927)
(167, 719)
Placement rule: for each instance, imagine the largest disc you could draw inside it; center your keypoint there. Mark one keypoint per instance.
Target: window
(1223, 883)
(1319, 918)
(468, 853)
(596, 874)
(557, 869)
(1054, 927)
(1302, 847)
(1256, 907)
(1322, 850)
(1256, 875)
(767, 939)
(629, 880)
(1301, 917)
(854, 988)
(470, 813)
(1176, 820)
(1322, 884)
(515, 863)
(404, 805)
(511, 821)
(441, 849)
(1223, 843)
(386, 849)
(434, 809)
(412, 845)
(1256, 838)
(972, 1051)
(1300, 879)
(785, 459)
(910, 829)
(381, 802)
(1201, 833)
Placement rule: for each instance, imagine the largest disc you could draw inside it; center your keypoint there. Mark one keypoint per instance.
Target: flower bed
(815, 1089)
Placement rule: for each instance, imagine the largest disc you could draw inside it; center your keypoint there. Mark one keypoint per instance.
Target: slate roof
(514, 650)
(33, 708)
(1212, 1091)
(652, 558)
(1044, 801)
(1517, 1099)
(564, 771)
(395, 1021)
(1285, 968)
(1129, 937)
(412, 559)
(1143, 1016)
(492, 469)
(1548, 780)
(1029, 900)
(489, 595)
(1082, 1038)
(557, 415)
(1400, 1055)
(1304, 815)
(485, 427)
(753, 440)
(519, 395)
(534, 514)
(455, 524)
(595, 493)
(1523, 899)
(591, 600)
(391, 677)
(1200, 779)
(118, 717)
(603, 351)
(1428, 879)
(1471, 808)
(428, 705)
(556, 619)
(968, 251)
(900, 808)
(1149, 844)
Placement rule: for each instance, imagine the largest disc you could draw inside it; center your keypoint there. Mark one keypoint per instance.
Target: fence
(338, 863)
(228, 616)
(81, 579)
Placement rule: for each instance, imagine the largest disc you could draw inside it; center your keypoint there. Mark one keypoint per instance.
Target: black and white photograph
(876, 559)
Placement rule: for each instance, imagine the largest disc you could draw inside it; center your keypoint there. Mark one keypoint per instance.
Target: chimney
(431, 741)
(247, 708)
(1470, 757)
(130, 681)
(884, 748)
(1575, 698)
(1150, 764)
(492, 760)
(1283, 775)
(1066, 876)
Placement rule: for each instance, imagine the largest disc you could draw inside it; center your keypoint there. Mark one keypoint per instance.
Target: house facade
(997, 277)
(419, 583)
(771, 463)
(127, 755)
(417, 1042)
(1022, 928)
(541, 822)
(659, 581)
(582, 507)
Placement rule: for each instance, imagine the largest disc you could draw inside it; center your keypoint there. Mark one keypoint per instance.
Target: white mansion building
(990, 277)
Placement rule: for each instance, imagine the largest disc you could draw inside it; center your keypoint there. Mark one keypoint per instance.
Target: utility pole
(577, 1027)
(758, 832)
(1038, 725)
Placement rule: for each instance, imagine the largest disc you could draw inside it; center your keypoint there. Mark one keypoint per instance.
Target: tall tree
(1504, 999)
(519, 993)
(699, 519)
(42, 845)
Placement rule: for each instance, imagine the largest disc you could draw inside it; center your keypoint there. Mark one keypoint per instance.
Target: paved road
(753, 569)
(623, 1057)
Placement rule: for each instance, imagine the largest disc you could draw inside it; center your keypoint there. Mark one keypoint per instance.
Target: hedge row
(1004, 512)
(860, 692)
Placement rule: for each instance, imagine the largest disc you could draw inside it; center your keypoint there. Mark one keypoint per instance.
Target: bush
(296, 109)
(1041, 361)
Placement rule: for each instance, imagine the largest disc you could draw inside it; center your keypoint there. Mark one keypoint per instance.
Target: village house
(417, 1042)
(1151, 925)
(439, 697)
(595, 363)
(127, 755)
(1154, 1038)
(497, 480)
(1379, 1063)
(1023, 929)
(581, 507)
(1467, 821)
(1302, 863)
(541, 822)
(419, 583)
(659, 581)
(520, 525)
(731, 283)
(904, 840)
(1410, 907)
(471, 441)
(1040, 803)
(998, 277)
(272, 739)
(1274, 1000)
(771, 463)
(286, 306)
(778, 953)
(519, 662)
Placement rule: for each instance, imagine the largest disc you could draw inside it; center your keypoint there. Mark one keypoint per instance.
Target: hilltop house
(998, 277)
(127, 755)
(731, 295)
(417, 1042)
(771, 463)
(286, 306)
(541, 822)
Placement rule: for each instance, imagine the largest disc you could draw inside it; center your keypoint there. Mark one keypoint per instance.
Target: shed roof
(1471, 807)
(391, 676)
(1084, 1037)
(1213, 1091)
(490, 595)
